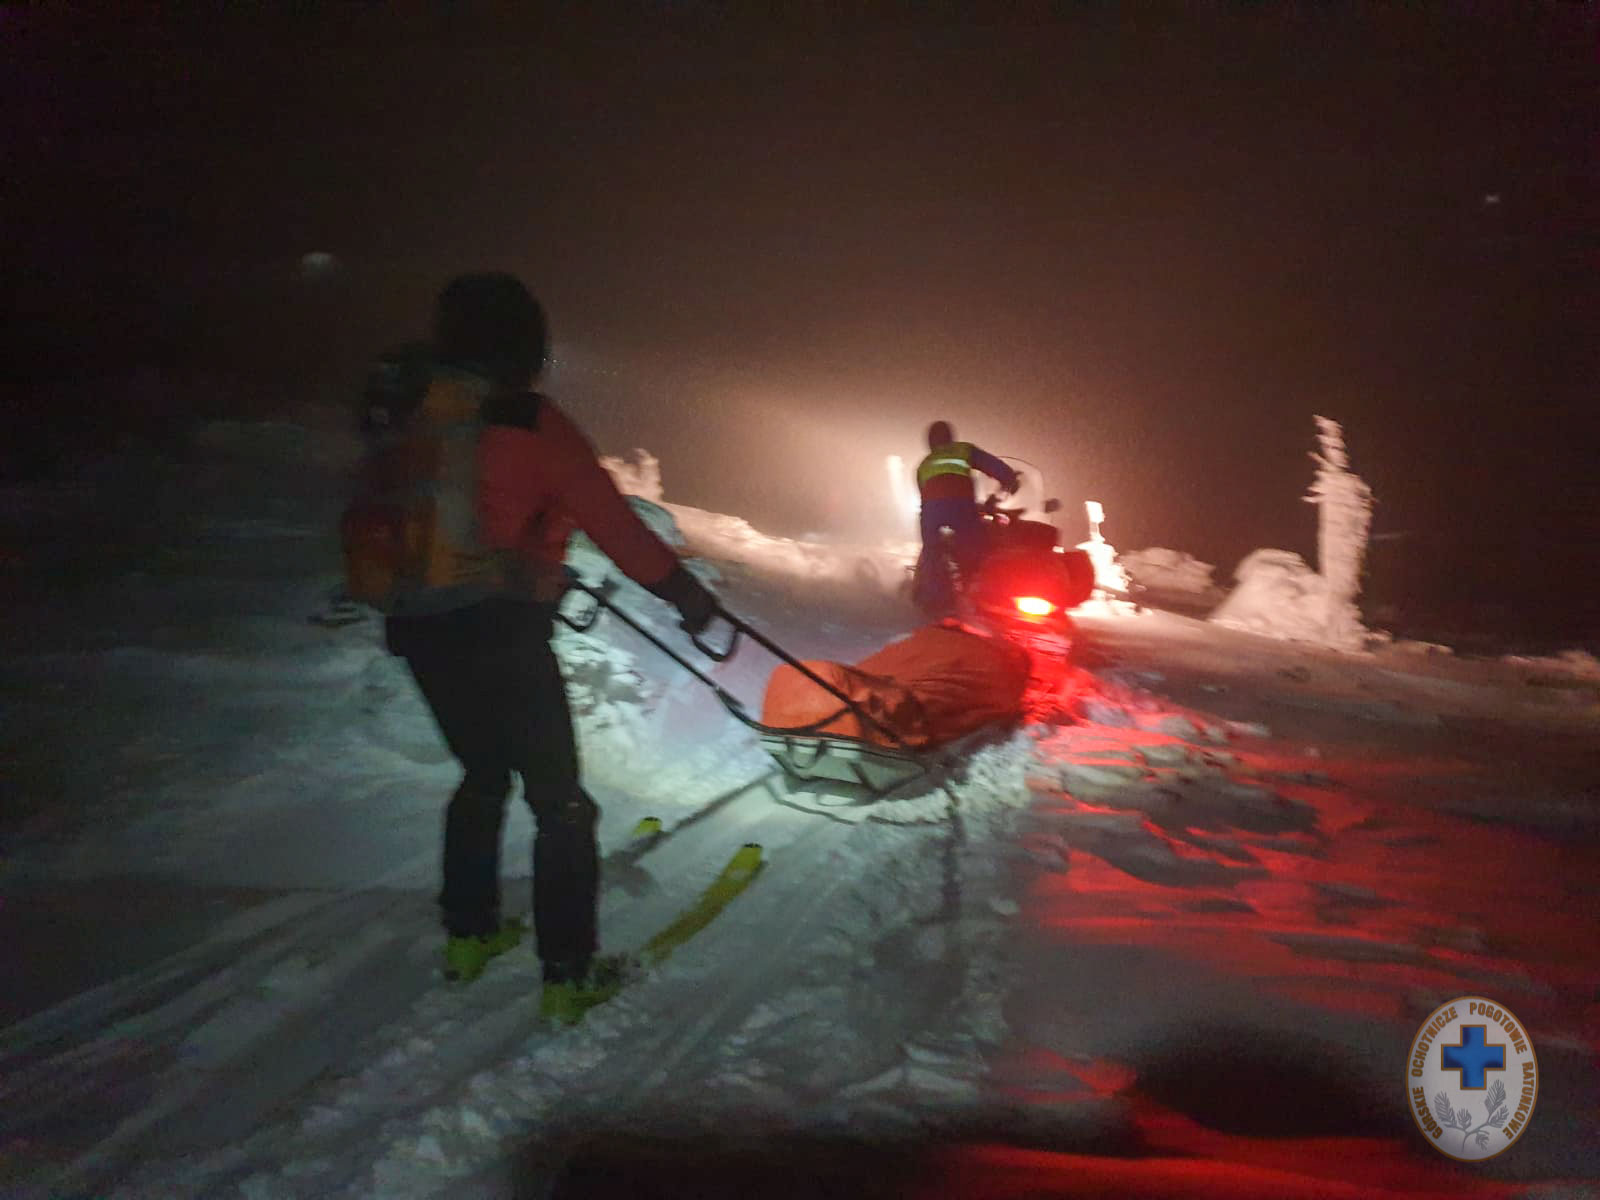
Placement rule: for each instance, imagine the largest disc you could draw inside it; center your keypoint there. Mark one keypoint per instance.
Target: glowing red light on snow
(1034, 606)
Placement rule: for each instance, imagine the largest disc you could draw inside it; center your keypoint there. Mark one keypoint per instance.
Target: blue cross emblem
(1473, 1057)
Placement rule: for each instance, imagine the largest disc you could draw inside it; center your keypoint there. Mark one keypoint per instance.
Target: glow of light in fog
(905, 496)
(318, 264)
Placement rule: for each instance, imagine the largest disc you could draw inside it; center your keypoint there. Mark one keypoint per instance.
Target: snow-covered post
(1096, 513)
(1344, 518)
(1107, 571)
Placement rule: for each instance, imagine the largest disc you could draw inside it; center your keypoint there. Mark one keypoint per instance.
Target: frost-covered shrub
(1279, 595)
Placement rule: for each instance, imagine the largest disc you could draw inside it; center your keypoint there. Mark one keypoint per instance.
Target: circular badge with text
(1472, 1078)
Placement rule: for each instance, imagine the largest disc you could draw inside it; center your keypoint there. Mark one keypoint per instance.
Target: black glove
(695, 602)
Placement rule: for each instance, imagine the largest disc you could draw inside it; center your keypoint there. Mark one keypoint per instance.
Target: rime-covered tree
(1344, 518)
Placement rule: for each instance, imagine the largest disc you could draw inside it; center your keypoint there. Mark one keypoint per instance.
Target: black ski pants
(493, 684)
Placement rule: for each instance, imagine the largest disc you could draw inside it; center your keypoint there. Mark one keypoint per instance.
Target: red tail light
(1034, 606)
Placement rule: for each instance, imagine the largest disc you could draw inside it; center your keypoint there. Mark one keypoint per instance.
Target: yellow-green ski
(566, 1002)
(743, 867)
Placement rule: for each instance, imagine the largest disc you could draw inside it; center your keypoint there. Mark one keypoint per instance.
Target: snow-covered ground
(1175, 941)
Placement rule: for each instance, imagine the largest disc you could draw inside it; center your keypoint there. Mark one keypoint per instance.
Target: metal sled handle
(793, 750)
(601, 595)
(602, 598)
(710, 651)
(584, 621)
(784, 656)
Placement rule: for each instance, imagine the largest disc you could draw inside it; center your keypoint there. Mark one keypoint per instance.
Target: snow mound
(880, 570)
(1579, 663)
(1278, 596)
(1163, 570)
(636, 474)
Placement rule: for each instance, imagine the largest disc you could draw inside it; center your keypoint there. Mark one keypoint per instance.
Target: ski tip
(747, 857)
(647, 827)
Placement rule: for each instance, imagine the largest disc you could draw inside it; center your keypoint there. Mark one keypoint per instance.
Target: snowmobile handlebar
(991, 507)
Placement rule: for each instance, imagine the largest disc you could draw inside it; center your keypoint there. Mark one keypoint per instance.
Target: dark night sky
(1136, 245)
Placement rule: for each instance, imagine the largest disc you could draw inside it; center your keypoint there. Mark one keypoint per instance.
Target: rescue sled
(918, 704)
(908, 703)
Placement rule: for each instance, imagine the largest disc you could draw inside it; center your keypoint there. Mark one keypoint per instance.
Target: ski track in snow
(661, 1039)
(994, 953)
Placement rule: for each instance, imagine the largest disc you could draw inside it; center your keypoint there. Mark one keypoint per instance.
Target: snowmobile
(1024, 586)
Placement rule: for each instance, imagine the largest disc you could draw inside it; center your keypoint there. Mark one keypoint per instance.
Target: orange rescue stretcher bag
(927, 689)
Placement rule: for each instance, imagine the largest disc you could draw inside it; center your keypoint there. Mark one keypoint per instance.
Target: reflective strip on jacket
(946, 472)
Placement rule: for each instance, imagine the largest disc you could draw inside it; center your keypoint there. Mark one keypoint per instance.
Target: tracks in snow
(326, 1010)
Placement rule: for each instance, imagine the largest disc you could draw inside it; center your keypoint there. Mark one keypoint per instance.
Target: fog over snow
(1173, 937)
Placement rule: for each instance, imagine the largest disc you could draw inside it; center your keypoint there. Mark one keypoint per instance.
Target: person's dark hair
(940, 434)
(489, 322)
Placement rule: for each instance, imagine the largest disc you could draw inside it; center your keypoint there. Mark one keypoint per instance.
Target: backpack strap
(517, 409)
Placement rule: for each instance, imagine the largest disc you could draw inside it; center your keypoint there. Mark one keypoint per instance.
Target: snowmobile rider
(487, 670)
(945, 483)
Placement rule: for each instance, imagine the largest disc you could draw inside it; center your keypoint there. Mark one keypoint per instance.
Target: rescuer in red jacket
(487, 670)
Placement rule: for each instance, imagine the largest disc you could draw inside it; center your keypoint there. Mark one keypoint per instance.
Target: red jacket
(538, 478)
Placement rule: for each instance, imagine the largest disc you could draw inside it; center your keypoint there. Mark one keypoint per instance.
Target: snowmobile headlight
(1034, 606)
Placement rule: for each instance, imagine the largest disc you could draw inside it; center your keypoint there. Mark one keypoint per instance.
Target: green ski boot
(466, 957)
(567, 1001)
